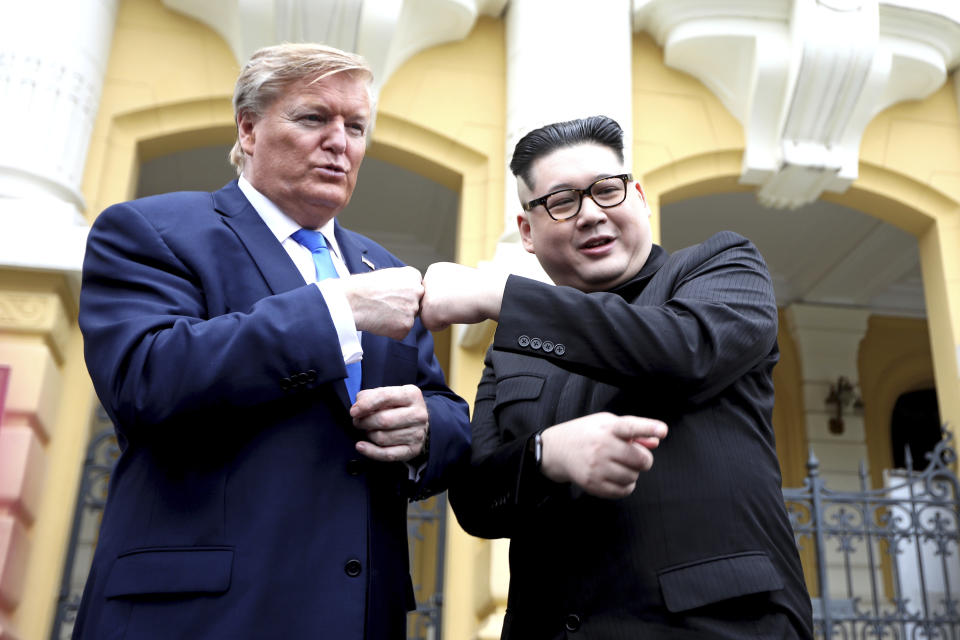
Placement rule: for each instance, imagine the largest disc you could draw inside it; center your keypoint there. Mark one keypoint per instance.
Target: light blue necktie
(317, 244)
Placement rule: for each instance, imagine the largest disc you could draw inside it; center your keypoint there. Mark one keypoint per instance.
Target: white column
(53, 57)
(828, 341)
(565, 60)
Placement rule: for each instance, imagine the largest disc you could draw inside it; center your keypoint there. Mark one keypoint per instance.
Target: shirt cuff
(415, 471)
(343, 321)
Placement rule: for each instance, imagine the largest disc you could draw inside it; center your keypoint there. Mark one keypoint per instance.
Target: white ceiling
(820, 254)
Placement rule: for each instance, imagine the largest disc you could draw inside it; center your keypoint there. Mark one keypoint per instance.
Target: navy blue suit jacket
(239, 507)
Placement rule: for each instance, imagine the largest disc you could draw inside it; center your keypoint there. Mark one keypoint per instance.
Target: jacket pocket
(169, 570)
(518, 387)
(701, 583)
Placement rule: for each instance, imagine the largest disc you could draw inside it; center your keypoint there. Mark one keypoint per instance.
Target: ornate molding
(51, 76)
(42, 314)
(47, 159)
(805, 78)
(385, 32)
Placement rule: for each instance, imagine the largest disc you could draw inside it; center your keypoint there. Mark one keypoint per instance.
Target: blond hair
(271, 70)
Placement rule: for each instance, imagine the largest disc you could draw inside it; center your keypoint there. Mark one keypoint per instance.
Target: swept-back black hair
(539, 142)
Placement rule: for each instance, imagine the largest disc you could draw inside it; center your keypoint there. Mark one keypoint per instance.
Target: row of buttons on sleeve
(541, 345)
(298, 379)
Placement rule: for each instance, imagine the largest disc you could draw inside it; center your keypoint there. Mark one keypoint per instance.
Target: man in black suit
(605, 543)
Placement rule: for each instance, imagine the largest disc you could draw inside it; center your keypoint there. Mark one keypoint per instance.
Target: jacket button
(547, 346)
(559, 350)
(523, 341)
(572, 622)
(355, 467)
(535, 343)
(352, 568)
(285, 383)
(311, 375)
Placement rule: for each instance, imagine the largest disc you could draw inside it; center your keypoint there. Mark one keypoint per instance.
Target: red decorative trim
(4, 380)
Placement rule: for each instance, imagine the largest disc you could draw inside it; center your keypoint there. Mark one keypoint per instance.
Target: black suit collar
(635, 285)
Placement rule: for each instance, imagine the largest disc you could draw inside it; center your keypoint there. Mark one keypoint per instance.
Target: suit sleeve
(156, 352)
(449, 419)
(484, 500)
(503, 483)
(718, 320)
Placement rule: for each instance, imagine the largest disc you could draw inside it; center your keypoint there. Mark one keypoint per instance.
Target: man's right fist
(385, 301)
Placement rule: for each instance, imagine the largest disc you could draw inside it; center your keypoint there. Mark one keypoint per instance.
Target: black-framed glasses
(565, 203)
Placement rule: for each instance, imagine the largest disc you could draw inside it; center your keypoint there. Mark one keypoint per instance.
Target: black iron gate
(884, 561)
(102, 453)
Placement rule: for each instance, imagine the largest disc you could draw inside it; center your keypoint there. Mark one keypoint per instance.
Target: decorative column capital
(38, 313)
(51, 75)
(805, 78)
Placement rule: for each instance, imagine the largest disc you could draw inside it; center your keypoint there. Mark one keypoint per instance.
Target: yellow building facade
(445, 113)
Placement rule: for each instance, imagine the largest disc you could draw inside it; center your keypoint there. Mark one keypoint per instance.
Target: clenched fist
(385, 301)
(455, 294)
(396, 421)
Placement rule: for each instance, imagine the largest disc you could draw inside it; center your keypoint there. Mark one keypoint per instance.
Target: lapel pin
(365, 261)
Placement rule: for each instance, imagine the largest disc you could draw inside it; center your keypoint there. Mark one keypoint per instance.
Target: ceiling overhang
(385, 32)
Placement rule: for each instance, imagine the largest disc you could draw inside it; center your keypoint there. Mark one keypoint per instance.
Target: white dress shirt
(283, 226)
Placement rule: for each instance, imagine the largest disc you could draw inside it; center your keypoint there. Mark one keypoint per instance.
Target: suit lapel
(271, 259)
(275, 264)
(354, 251)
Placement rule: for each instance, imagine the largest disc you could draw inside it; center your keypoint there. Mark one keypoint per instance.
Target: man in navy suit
(604, 542)
(256, 496)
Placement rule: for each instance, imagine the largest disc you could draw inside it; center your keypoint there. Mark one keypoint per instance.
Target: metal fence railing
(885, 560)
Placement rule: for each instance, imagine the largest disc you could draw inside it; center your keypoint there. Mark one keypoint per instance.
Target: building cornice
(805, 78)
(385, 32)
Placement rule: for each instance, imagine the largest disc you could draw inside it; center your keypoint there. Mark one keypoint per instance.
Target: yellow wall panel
(674, 115)
(894, 358)
(152, 49)
(919, 139)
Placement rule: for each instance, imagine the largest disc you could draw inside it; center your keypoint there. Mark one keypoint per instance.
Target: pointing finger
(633, 427)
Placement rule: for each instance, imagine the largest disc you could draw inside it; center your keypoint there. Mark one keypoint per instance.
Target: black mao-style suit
(703, 546)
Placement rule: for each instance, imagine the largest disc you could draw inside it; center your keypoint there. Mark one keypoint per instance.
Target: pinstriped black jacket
(703, 547)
